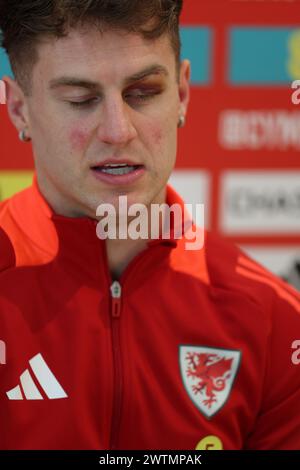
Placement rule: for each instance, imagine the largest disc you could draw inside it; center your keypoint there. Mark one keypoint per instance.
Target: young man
(125, 343)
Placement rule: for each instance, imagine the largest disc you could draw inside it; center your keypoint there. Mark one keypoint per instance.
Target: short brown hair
(24, 23)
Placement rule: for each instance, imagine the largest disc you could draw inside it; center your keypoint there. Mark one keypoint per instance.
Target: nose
(116, 126)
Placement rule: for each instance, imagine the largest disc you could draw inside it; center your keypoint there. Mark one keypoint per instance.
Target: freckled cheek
(162, 134)
(162, 146)
(78, 139)
(157, 135)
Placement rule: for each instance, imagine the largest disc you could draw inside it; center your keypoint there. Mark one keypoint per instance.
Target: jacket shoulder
(11, 234)
(232, 270)
(7, 253)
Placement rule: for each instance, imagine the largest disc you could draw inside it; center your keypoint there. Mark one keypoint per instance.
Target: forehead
(109, 54)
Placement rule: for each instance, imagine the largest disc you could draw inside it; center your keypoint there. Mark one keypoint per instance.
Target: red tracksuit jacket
(188, 349)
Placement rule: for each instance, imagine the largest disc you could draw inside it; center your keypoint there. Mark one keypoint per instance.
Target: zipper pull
(116, 291)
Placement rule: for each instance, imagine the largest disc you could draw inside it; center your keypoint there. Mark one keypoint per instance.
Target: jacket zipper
(116, 292)
(115, 313)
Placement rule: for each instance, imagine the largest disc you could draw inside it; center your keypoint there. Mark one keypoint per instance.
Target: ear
(16, 104)
(184, 86)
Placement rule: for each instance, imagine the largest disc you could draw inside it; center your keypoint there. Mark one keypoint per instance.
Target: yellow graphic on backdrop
(293, 64)
(13, 181)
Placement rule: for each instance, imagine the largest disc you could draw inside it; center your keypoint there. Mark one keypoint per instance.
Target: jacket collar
(84, 224)
(41, 236)
(49, 232)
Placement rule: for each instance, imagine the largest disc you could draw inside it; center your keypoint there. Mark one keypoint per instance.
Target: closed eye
(142, 95)
(137, 96)
(82, 104)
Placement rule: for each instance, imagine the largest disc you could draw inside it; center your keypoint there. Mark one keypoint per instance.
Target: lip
(119, 180)
(115, 162)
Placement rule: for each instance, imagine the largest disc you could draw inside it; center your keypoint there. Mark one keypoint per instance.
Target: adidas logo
(28, 389)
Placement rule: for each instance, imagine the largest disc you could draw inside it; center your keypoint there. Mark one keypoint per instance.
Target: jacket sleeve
(277, 425)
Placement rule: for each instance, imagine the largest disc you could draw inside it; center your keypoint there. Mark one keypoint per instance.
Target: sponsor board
(260, 202)
(259, 129)
(197, 47)
(194, 187)
(263, 55)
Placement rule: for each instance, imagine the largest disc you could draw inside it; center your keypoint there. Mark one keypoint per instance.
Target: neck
(120, 252)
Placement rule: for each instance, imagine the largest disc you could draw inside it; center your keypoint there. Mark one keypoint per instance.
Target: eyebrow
(94, 86)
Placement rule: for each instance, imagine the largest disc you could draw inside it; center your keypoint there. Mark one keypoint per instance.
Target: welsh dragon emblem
(208, 375)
